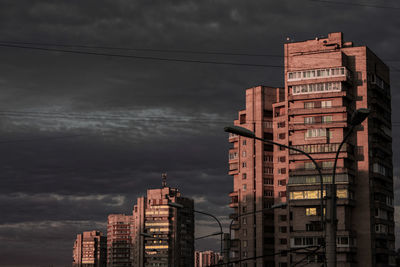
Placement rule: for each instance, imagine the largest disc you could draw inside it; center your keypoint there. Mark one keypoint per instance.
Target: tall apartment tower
(90, 250)
(120, 240)
(326, 80)
(206, 258)
(251, 165)
(171, 229)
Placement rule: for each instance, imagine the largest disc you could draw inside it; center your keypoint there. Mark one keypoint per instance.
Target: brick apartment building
(89, 250)
(206, 258)
(169, 231)
(120, 240)
(326, 80)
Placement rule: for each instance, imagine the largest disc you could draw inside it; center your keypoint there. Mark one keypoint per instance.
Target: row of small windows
(317, 133)
(319, 148)
(318, 104)
(316, 88)
(315, 179)
(318, 73)
(318, 119)
(382, 170)
(316, 194)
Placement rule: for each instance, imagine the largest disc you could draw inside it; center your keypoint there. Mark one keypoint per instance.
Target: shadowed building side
(90, 250)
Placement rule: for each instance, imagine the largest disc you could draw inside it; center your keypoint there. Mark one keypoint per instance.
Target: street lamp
(356, 119)
(247, 133)
(180, 206)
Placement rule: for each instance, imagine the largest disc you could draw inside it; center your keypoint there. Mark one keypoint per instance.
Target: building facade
(120, 238)
(90, 250)
(326, 80)
(251, 165)
(164, 234)
(206, 258)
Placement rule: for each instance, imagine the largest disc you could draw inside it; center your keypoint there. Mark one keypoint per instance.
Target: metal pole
(331, 226)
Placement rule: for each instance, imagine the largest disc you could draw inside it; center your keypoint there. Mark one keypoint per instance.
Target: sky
(84, 135)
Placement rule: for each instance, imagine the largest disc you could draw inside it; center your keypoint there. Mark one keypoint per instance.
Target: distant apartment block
(326, 80)
(89, 250)
(164, 234)
(206, 258)
(119, 240)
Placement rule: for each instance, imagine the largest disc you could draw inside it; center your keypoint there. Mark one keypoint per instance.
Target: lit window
(311, 211)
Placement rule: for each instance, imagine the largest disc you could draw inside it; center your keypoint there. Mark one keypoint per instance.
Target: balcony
(317, 74)
(317, 110)
(234, 200)
(316, 95)
(305, 126)
(233, 137)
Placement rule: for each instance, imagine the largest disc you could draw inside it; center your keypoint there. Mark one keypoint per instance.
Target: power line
(139, 57)
(354, 4)
(144, 49)
(155, 50)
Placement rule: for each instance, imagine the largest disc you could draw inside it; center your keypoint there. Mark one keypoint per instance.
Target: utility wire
(138, 57)
(157, 50)
(144, 49)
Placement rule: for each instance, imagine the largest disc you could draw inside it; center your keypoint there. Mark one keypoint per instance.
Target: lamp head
(239, 131)
(359, 116)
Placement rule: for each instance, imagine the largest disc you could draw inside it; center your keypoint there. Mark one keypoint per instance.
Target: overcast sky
(82, 136)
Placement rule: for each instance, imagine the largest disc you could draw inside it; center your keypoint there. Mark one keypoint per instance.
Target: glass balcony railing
(318, 73)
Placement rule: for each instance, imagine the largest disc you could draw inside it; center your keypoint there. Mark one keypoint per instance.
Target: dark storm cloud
(67, 183)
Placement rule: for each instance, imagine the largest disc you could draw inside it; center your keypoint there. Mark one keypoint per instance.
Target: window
(244, 142)
(244, 220)
(317, 88)
(309, 165)
(244, 232)
(233, 155)
(244, 164)
(268, 158)
(244, 153)
(268, 193)
(326, 119)
(268, 181)
(313, 133)
(268, 170)
(326, 104)
(311, 211)
(283, 229)
(282, 194)
(245, 243)
(309, 105)
(327, 164)
(282, 218)
(244, 176)
(282, 159)
(283, 241)
(282, 182)
(281, 170)
(281, 124)
(281, 136)
(244, 187)
(309, 120)
(380, 169)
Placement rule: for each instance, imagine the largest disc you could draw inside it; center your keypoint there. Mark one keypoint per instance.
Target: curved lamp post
(247, 133)
(179, 206)
(356, 119)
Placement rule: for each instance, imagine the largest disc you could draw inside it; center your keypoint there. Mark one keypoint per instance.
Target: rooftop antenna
(164, 180)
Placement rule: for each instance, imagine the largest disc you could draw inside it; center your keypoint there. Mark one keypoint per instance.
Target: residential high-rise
(206, 258)
(164, 234)
(119, 240)
(90, 250)
(251, 164)
(326, 80)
